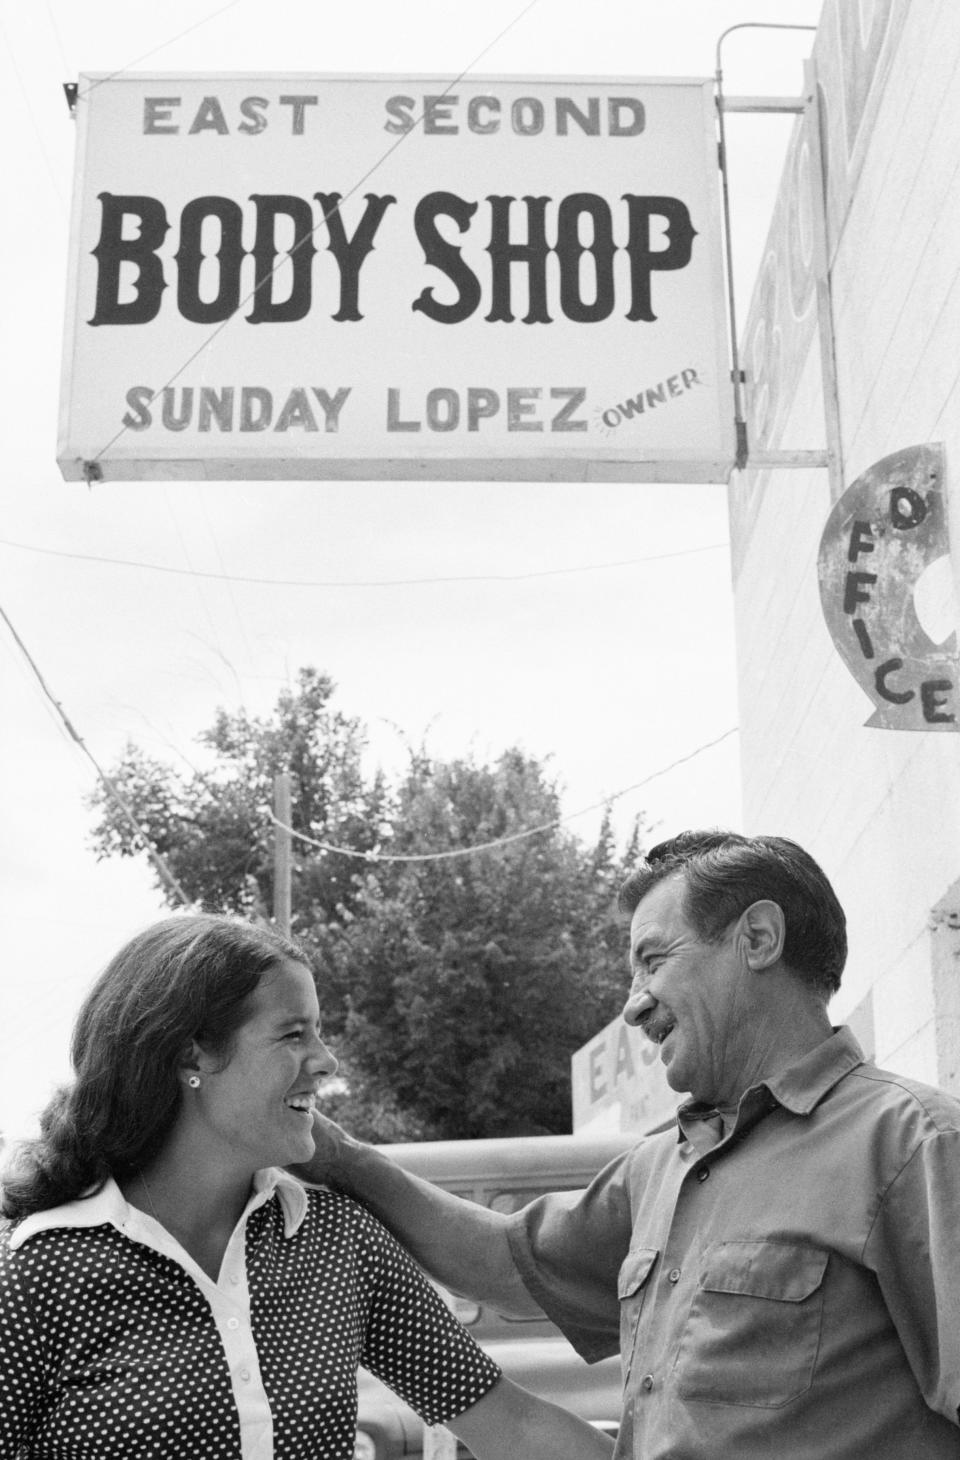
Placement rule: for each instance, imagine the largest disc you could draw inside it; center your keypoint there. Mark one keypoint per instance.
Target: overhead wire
(362, 582)
(57, 37)
(156, 857)
(28, 105)
(374, 856)
(161, 47)
(42, 699)
(224, 576)
(189, 572)
(503, 841)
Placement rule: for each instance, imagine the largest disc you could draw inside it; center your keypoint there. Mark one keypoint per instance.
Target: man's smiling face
(690, 996)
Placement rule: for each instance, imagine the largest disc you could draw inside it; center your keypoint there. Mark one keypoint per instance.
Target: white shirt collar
(108, 1207)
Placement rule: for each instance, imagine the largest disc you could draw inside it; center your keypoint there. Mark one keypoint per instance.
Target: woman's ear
(763, 931)
(194, 1064)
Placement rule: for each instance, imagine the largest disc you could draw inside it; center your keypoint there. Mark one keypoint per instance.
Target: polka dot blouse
(115, 1345)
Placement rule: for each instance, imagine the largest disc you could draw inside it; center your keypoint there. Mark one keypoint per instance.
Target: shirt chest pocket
(753, 1331)
(632, 1284)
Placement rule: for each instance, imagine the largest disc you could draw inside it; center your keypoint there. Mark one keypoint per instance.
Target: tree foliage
(456, 986)
(214, 827)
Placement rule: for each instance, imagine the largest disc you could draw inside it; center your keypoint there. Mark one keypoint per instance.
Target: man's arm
(509, 1420)
(463, 1245)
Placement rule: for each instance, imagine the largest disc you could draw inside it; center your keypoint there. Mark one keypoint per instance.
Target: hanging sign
(619, 1082)
(319, 276)
(881, 537)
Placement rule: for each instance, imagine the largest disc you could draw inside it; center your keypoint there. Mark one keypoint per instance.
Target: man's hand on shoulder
(438, 1227)
(330, 1162)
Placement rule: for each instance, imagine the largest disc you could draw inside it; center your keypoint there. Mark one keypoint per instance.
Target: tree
(213, 827)
(472, 978)
(457, 986)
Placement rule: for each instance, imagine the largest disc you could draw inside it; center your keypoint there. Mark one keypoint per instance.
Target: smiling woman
(165, 1288)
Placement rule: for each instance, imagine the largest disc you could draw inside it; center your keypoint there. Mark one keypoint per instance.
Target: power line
(110, 786)
(224, 575)
(58, 38)
(360, 582)
(197, 582)
(502, 841)
(28, 107)
(161, 47)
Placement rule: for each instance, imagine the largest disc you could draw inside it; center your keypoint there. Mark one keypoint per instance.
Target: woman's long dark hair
(184, 979)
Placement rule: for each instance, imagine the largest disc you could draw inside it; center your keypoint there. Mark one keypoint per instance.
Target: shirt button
(647, 1382)
(703, 1173)
(234, 1280)
(245, 1375)
(673, 1275)
(233, 1322)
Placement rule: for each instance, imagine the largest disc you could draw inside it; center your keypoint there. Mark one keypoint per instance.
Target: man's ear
(762, 931)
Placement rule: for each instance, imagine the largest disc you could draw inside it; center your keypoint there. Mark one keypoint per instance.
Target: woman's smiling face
(259, 1104)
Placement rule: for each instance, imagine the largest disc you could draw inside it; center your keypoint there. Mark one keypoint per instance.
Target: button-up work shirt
(786, 1290)
(113, 1342)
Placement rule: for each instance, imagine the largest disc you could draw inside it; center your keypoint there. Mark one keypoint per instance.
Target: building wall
(879, 808)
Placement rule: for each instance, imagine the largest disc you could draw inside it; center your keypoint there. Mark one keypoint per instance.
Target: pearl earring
(194, 1082)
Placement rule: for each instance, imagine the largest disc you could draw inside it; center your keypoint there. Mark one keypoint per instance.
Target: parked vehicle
(505, 1175)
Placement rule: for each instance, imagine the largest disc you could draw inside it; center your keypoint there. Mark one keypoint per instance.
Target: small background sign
(619, 1083)
(883, 535)
(317, 276)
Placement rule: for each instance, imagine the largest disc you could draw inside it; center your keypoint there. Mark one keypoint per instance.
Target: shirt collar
(799, 1088)
(108, 1207)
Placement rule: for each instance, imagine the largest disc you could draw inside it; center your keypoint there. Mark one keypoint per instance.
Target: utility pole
(281, 853)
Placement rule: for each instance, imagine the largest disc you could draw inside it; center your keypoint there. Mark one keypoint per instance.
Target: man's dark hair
(725, 872)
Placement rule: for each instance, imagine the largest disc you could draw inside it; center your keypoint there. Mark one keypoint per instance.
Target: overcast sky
(588, 624)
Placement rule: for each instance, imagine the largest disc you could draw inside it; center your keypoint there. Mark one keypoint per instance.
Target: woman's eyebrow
(287, 1021)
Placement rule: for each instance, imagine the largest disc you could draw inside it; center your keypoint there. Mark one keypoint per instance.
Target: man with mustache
(780, 1271)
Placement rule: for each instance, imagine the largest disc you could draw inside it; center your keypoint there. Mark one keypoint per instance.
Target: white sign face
(354, 277)
(619, 1082)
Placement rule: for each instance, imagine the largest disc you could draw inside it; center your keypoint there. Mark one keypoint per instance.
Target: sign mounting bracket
(807, 105)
